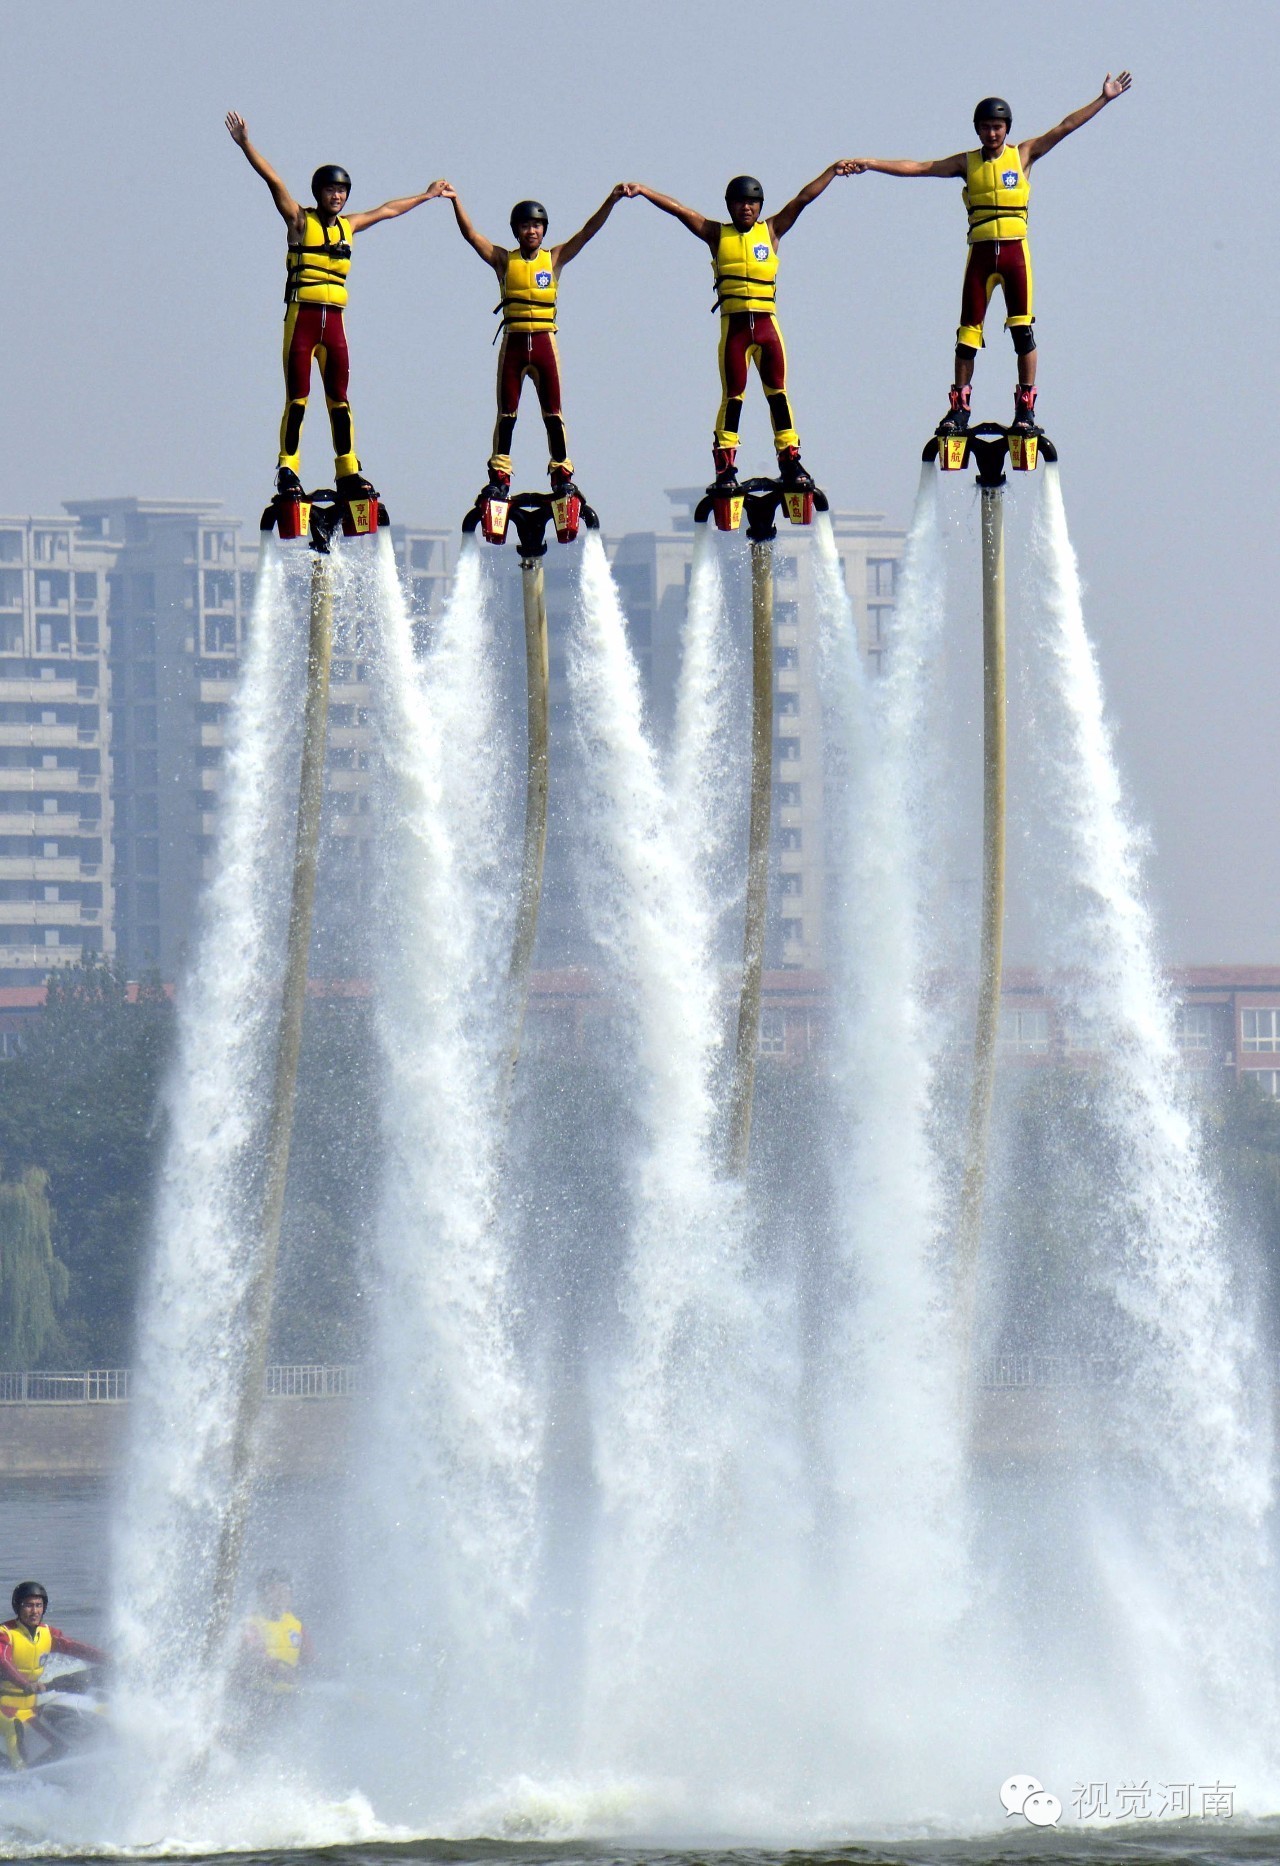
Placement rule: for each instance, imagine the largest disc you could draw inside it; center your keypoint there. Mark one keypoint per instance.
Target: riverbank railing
(97, 1386)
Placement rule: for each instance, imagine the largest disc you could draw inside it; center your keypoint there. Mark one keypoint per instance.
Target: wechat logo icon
(1022, 1794)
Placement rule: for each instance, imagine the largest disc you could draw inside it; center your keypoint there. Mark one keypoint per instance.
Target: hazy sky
(145, 269)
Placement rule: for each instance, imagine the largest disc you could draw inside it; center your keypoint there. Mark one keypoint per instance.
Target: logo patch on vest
(761, 252)
(1009, 178)
(295, 1639)
(542, 280)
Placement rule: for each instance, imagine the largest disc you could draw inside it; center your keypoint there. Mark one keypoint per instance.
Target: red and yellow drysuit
(746, 274)
(996, 193)
(529, 349)
(24, 1653)
(315, 292)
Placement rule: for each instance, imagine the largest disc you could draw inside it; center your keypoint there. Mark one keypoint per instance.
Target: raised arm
(786, 217)
(1036, 146)
(708, 230)
(950, 168)
(493, 255)
(570, 248)
(391, 210)
(288, 208)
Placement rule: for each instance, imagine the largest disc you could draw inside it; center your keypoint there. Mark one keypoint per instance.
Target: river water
(60, 1532)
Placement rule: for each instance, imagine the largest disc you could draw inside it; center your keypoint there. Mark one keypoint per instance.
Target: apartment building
(55, 774)
(653, 569)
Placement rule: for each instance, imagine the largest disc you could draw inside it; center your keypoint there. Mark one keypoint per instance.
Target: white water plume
(887, 1395)
(452, 1493)
(1192, 1416)
(672, 1446)
(188, 1354)
(707, 770)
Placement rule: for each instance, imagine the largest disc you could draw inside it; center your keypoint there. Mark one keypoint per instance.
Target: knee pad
(1024, 339)
(966, 349)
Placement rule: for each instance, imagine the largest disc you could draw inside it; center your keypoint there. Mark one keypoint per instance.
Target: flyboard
(311, 520)
(494, 512)
(728, 500)
(987, 448)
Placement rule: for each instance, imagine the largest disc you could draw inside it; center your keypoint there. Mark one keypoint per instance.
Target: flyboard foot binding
(353, 506)
(496, 508)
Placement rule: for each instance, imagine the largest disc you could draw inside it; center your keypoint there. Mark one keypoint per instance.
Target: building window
(773, 1033)
(879, 623)
(792, 932)
(882, 576)
(10, 589)
(1195, 1027)
(52, 587)
(1024, 1031)
(218, 544)
(786, 657)
(791, 839)
(220, 635)
(789, 749)
(48, 546)
(420, 553)
(784, 569)
(786, 615)
(10, 547)
(788, 795)
(1259, 1030)
(219, 589)
(793, 884)
(1266, 1081)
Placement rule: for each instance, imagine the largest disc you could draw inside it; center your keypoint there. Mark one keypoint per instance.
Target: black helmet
(329, 175)
(743, 188)
(993, 110)
(29, 1590)
(527, 210)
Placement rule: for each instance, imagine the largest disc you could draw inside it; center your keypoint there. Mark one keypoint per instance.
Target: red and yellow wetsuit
(315, 292)
(529, 349)
(276, 1649)
(746, 274)
(996, 193)
(24, 1653)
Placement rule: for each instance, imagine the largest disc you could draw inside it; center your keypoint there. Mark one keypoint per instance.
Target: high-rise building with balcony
(55, 805)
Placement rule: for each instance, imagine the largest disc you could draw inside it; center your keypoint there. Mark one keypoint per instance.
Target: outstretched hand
(237, 128)
(1113, 87)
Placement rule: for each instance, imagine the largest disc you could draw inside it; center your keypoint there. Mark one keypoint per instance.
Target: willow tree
(33, 1284)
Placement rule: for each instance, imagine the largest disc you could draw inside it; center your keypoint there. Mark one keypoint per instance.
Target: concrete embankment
(301, 1437)
(316, 1437)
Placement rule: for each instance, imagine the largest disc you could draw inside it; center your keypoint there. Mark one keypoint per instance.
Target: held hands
(849, 165)
(1115, 87)
(238, 129)
(437, 190)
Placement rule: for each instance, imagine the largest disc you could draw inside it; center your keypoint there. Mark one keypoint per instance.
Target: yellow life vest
(281, 1642)
(528, 292)
(746, 269)
(28, 1653)
(996, 193)
(316, 272)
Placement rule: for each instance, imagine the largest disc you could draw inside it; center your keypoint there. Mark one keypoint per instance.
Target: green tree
(33, 1284)
(79, 1103)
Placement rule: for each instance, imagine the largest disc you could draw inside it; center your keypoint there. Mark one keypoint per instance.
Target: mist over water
(663, 1485)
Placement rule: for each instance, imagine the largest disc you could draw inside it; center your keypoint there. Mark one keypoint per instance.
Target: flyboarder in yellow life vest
(530, 276)
(26, 1645)
(996, 192)
(274, 1647)
(317, 263)
(744, 256)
